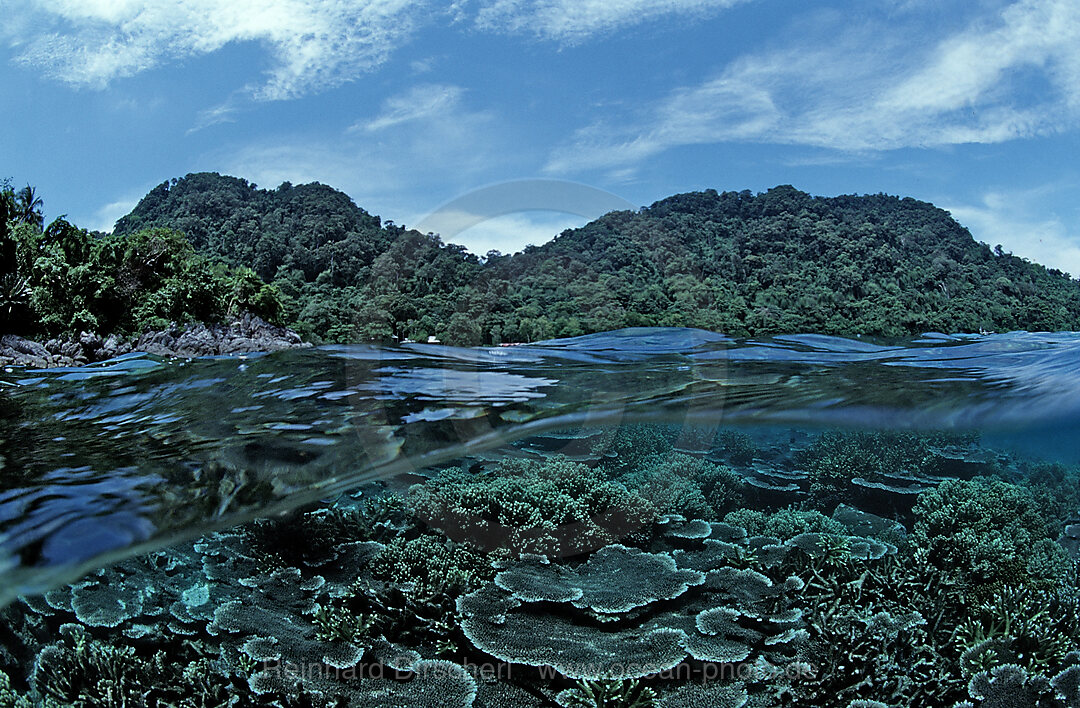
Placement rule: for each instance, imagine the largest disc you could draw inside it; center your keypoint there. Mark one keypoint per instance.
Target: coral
(677, 483)
(890, 623)
(627, 446)
(607, 694)
(431, 565)
(335, 624)
(1007, 686)
(555, 508)
(1055, 487)
(616, 579)
(862, 523)
(1032, 628)
(785, 523)
(841, 464)
(706, 695)
(591, 622)
(736, 446)
(84, 672)
(9, 698)
(991, 533)
(306, 537)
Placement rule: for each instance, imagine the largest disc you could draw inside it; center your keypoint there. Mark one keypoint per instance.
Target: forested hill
(311, 227)
(777, 262)
(784, 261)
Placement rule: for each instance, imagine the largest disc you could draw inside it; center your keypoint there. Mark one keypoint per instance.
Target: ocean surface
(137, 457)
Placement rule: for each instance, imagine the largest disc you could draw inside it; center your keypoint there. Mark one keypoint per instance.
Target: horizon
(407, 107)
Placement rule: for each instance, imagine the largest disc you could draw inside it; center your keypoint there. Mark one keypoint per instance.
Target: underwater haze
(645, 517)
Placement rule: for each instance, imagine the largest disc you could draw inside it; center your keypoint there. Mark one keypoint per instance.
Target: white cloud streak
(105, 218)
(1015, 75)
(418, 103)
(1023, 223)
(572, 21)
(415, 158)
(315, 44)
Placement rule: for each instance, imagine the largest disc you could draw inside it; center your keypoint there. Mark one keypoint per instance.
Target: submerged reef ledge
(246, 333)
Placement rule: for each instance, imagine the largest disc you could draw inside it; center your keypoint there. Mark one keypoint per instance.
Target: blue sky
(973, 105)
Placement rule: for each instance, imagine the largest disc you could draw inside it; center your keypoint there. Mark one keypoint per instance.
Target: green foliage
(113, 284)
(251, 294)
(990, 533)
(745, 264)
(60, 280)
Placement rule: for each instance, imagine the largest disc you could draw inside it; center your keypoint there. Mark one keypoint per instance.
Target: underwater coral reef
(629, 568)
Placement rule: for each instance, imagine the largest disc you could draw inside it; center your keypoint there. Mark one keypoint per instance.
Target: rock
(16, 351)
(247, 333)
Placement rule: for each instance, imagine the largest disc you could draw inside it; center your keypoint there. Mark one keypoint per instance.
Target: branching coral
(785, 523)
(991, 533)
(9, 698)
(677, 483)
(607, 694)
(1032, 628)
(556, 508)
(737, 447)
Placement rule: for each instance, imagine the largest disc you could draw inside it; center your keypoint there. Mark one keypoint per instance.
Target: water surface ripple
(102, 462)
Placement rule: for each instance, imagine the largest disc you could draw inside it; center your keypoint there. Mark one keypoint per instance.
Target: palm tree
(14, 296)
(28, 207)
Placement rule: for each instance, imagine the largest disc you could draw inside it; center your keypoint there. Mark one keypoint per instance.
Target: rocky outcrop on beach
(246, 333)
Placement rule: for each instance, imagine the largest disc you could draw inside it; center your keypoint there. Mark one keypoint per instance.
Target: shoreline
(246, 333)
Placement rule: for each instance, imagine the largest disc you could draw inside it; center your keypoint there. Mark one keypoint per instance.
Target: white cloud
(418, 103)
(222, 113)
(1013, 75)
(572, 21)
(315, 44)
(401, 165)
(105, 218)
(510, 233)
(1021, 221)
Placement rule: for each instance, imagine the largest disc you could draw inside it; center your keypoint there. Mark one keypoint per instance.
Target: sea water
(644, 517)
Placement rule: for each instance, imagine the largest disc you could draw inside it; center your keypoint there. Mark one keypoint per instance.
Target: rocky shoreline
(246, 333)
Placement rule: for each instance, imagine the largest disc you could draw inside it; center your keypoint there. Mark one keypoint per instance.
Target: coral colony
(633, 567)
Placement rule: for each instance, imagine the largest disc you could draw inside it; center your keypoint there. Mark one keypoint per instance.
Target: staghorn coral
(554, 508)
(9, 698)
(785, 523)
(677, 483)
(431, 565)
(1025, 626)
(991, 533)
(607, 694)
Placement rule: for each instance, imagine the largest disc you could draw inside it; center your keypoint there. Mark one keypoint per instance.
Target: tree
(28, 207)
